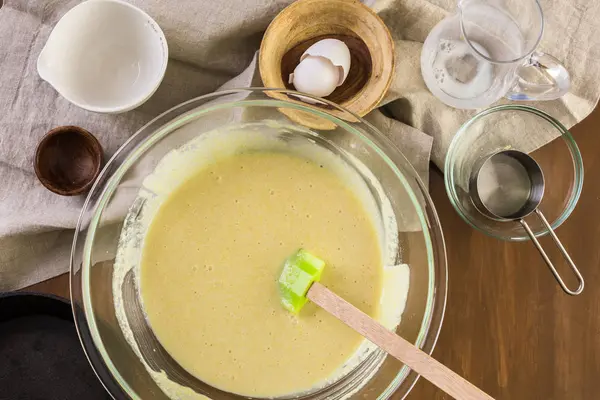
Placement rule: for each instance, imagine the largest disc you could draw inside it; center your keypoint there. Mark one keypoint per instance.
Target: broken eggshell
(323, 67)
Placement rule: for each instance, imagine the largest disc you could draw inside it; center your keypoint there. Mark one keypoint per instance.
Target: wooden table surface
(509, 328)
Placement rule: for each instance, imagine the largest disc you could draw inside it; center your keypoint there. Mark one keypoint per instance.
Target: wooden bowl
(68, 160)
(305, 22)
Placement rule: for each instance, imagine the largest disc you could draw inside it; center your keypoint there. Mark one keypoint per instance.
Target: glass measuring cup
(487, 50)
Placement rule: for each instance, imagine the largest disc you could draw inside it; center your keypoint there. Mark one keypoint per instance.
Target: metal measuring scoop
(509, 186)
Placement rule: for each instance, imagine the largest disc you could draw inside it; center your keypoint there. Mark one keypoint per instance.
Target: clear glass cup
(117, 354)
(487, 50)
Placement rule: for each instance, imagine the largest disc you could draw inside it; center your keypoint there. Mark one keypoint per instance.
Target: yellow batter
(211, 260)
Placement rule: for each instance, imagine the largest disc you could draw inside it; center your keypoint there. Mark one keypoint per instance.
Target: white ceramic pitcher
(105, 56)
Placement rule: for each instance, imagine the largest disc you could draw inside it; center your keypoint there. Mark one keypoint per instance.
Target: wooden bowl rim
(390, 44)
(42, 146)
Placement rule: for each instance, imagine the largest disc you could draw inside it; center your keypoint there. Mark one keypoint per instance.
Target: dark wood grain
(509, 328)
(395, 345)
(58, 286)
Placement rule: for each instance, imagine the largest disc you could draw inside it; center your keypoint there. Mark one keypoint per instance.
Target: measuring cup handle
(550, 69)
(547, 259)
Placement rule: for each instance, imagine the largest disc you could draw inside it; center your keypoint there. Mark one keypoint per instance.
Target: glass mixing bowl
(522, 128)
(128, 361)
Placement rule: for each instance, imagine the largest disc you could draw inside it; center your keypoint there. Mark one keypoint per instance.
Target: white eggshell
(316, 76)
(335, 51)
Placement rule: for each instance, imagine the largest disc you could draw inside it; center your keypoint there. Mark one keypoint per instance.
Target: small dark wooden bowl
(68, 160)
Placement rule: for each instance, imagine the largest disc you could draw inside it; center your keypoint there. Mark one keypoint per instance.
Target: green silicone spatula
(299, 282)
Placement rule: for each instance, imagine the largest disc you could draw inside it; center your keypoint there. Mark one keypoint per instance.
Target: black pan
(40, 353)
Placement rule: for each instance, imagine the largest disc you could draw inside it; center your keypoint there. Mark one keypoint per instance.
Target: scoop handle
(563, 251)
(419, 361)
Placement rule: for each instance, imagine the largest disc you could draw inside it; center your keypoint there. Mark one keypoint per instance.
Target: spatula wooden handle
(419, 361)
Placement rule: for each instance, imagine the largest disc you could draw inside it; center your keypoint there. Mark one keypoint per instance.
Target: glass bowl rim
(436, 260)
(449, 166)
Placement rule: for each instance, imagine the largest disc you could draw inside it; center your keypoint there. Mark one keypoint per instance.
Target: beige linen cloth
(213, 44)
